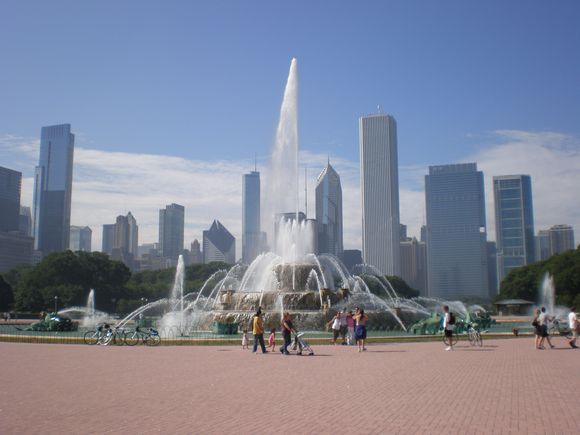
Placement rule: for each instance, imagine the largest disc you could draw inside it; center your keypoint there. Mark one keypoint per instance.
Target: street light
(56, 304)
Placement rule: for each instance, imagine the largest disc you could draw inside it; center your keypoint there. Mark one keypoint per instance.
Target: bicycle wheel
(119, 339)
(131, 339)
(108, 339)
(472, 337)
(152, 340)
(91, 337)
(454, 338)
(478, 339)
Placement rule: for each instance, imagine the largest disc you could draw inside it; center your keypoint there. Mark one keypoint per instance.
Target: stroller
(301, 344)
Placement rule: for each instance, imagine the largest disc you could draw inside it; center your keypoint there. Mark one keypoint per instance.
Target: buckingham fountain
(290, 277)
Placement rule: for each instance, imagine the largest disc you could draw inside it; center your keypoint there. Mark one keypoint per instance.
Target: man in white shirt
(448, 327)
(573, 324)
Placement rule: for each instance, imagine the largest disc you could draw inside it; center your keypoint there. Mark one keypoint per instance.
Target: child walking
(272, 340)
(245, 339)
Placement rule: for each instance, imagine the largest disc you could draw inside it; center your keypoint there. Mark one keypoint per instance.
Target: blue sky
(203, 81)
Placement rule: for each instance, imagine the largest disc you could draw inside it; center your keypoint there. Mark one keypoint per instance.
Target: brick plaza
(504, 387)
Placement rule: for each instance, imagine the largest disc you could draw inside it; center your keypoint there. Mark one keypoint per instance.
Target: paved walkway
(416, 388)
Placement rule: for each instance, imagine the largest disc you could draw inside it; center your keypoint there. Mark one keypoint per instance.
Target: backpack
(451, 318)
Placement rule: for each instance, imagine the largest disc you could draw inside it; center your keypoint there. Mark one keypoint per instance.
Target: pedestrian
(537, 329)
(343, 326)
(574, 327)
(245, 339)
(350, 327)
(258, 331)
(361, 320)
(544, 321)
(287, 329)
(448, 326)
(335, 322)
(272, 340)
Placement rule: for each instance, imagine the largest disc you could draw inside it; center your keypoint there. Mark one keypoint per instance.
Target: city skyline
(455, 106)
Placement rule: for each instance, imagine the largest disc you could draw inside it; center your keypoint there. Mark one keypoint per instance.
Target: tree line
(71, 275)
(524, 282)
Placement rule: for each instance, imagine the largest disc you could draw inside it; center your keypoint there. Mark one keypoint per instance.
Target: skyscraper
(561, 239)
(196, 254)
(53, 188)
(171, 225)
(10, 184)
(218, 244)
(108, 238)
(133, 235)
(25, 221)
(15, 247)
(414, 264)
(329, 211)
(80, 238)
(456, 233)
(251, 234)
(379, 178)
(514, 222)
(542, 245)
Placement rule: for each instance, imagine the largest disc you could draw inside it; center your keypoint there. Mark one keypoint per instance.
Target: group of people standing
(350, 327)
(541, 328)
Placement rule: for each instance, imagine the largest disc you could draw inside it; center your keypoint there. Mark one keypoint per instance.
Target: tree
(70, 276)
(524, 282)
(6, 295)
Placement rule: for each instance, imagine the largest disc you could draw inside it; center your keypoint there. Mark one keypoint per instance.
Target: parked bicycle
(96, 336)
(474, 336)
(559, 329)
(150, 337)
(114, 336)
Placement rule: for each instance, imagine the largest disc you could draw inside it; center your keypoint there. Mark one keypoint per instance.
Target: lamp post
(56, 304)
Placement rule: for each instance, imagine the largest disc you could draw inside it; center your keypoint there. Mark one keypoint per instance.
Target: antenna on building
(306, 191)
(255, 162)
(378, 108)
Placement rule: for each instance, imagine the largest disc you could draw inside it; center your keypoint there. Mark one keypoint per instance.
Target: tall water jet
(177, 290)
(281, 195)
(548, 294)
(91, 303)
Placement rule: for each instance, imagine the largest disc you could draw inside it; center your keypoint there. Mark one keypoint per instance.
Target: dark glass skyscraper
(329, 211)
(10, 184)
(171, 226)
(456, 233)
(53, 188)
(514, 222)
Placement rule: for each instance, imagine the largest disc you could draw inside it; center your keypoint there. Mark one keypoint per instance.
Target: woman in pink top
(350, 326)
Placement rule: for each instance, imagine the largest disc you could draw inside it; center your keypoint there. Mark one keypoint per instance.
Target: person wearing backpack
(448, 326)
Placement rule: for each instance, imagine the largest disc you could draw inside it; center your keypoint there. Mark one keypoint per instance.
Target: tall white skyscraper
(329, 211)
(379, 181)
(251, 234)
(53, 188)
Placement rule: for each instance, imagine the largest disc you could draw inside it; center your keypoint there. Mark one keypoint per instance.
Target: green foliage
(401, 287)
(157, 284)
(70, 276)
(6, 295)
(524, 282)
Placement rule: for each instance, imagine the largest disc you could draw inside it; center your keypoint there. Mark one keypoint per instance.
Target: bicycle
(474, 336)
(96, 336)
(114, 336)
(557, 329)
(150, 338)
